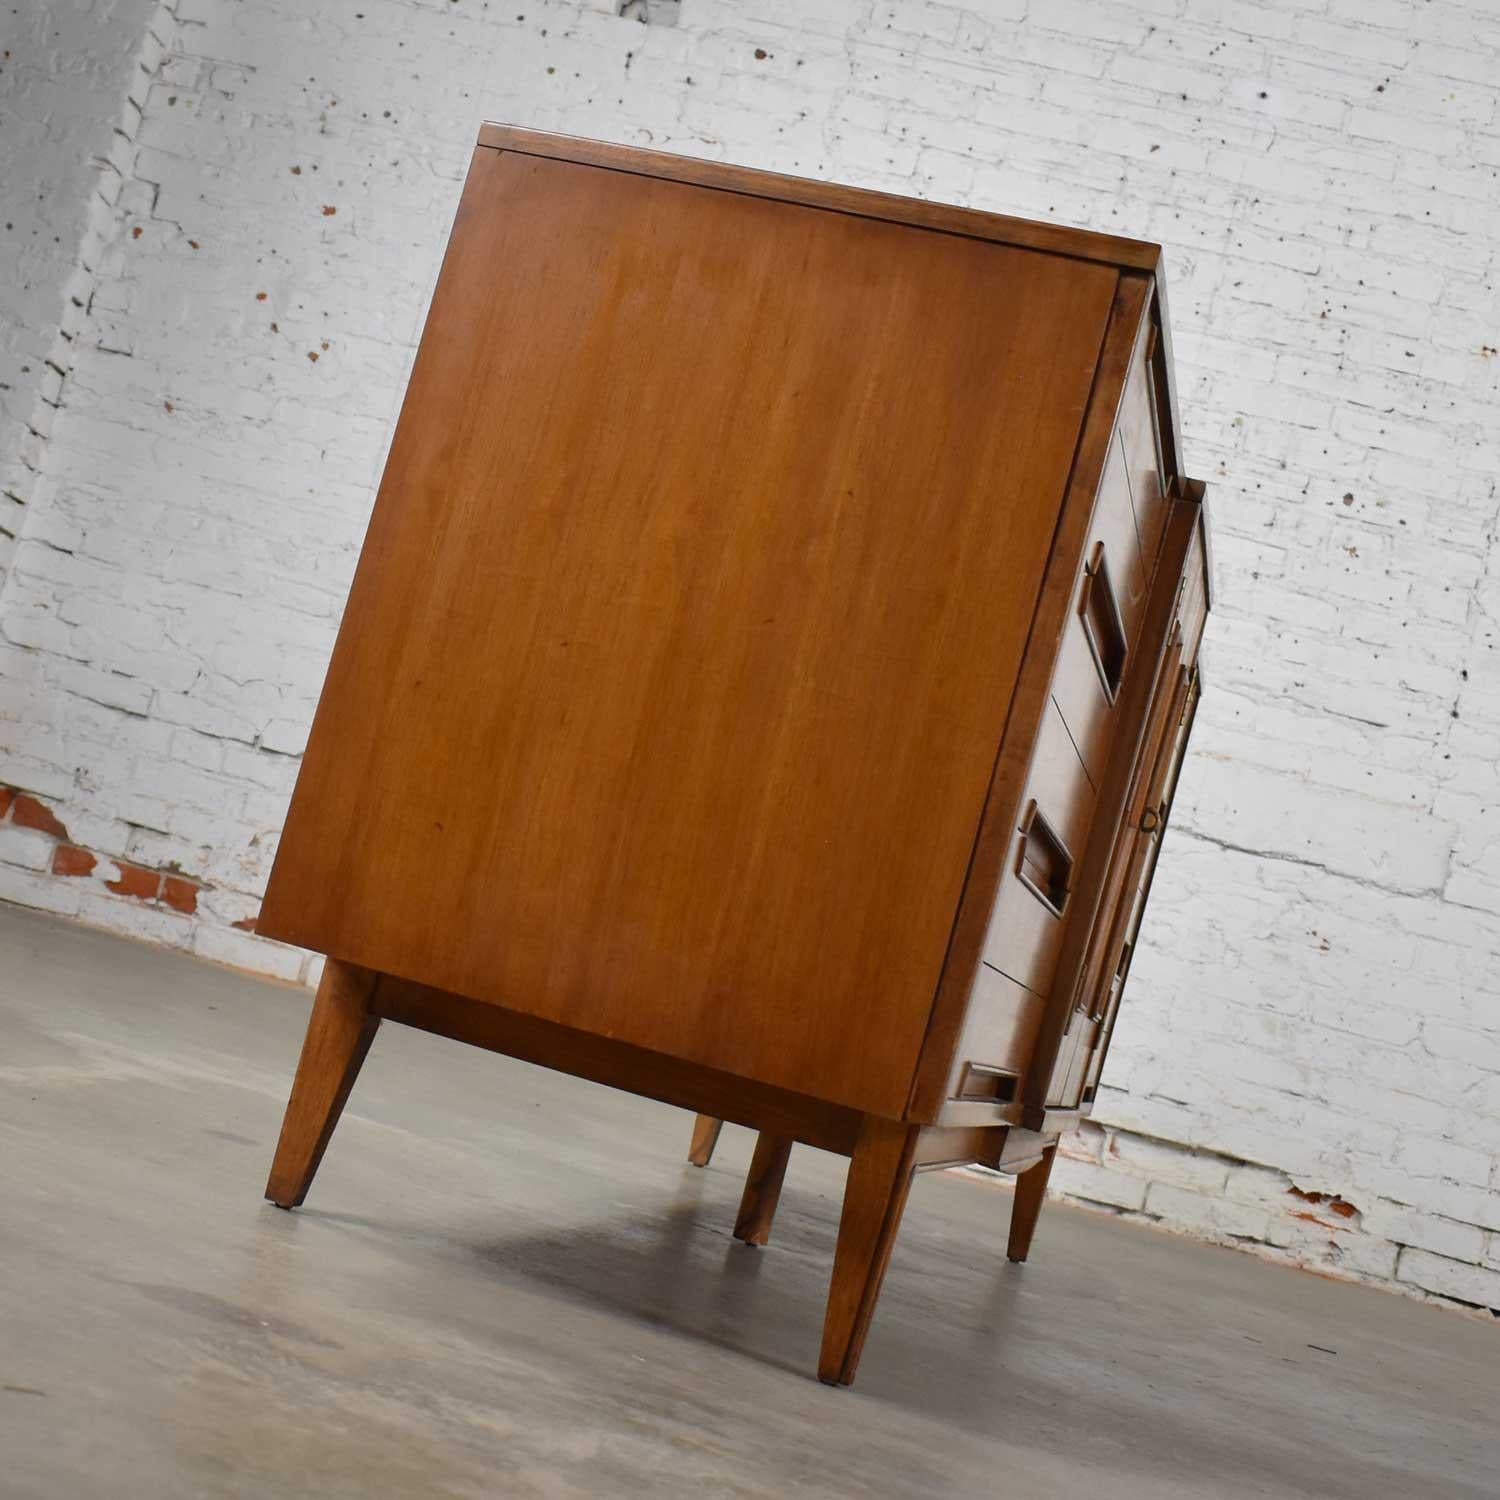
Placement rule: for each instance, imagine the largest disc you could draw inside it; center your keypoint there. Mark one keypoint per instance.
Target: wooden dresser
(766, 674)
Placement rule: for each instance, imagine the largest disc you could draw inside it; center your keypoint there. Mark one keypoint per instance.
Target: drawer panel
(1104, 626)
(1138, 854)
(1141, 443)
(1162, 781)
(1103, 995)
(1025, 932)
(1058, 784)
(1192, 610)
(1115, 528)
(1073, 1059)
(998, 1036)
(1087, 681)
(1083, 703)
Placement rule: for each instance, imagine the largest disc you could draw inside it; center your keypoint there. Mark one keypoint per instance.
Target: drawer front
(1073, 1060)
(1162, 782)
(1140, 439)
(1097, 1027)
(1133, 863)
(998, 1036)
(1083, 702)
(1116, 531)
(1104, 625)
(1026, 930)
(1123, 952)
(1143, 817)
(1192, 610)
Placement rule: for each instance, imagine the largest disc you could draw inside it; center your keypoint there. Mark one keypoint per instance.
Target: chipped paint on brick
(181, 895)
(135, 881)
(30, 812)
(70, 860)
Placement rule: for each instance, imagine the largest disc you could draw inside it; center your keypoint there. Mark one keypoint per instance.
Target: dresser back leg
(705, 1137)
(1031, 1192)
(762, 1188)
(339, 1034)
(880, 1174)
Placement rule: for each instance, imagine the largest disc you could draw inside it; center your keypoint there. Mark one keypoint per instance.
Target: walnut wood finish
(1031, 1193)
(756, 652)
(880, 1173)
(1131, 906)
(655, 1075)
(339, 1034)
(1081, 244)
(946, 218)
(1028, 706)
(762, 1188)
(700, 653)
(705, 1137)
(1111, 826)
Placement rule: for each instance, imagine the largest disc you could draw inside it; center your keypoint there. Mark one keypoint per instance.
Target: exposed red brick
(1314, 1219)
(181, 895)
(6, 798)
(69, 859)
(1340, 1206)
(135, 881)
(246, 924)
(30, 813)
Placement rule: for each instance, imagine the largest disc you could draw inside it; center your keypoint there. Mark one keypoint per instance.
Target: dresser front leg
(705, 1137)
(339, 1034)
(1031, 1192)
(762, 1188)
(880, 1174)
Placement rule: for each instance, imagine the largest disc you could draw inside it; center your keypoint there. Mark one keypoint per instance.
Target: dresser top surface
(1027, 234)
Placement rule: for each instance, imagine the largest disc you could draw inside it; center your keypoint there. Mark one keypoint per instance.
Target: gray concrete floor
(507, 1283)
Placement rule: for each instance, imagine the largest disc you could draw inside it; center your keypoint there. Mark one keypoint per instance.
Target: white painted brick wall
(1309, 1063)
(68, 75)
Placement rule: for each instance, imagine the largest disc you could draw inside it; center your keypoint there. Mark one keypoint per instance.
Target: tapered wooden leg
(338, 1037)
(705, 1137)
(880, 1176)
(1031, 1192)
(762, 1188)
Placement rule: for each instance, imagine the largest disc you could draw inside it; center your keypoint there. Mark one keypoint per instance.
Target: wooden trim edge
(654, 1075)
(1030, 234)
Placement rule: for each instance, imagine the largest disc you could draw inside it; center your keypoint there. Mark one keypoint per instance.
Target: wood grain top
(1028, 234)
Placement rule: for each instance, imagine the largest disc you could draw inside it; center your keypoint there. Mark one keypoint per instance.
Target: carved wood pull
(1044, 865)
(1103, 624)
(990, 1085)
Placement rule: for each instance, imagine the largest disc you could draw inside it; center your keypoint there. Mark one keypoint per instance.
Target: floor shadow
(1004, 1352)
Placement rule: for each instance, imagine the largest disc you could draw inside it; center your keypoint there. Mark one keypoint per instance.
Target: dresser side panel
(678, 656)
